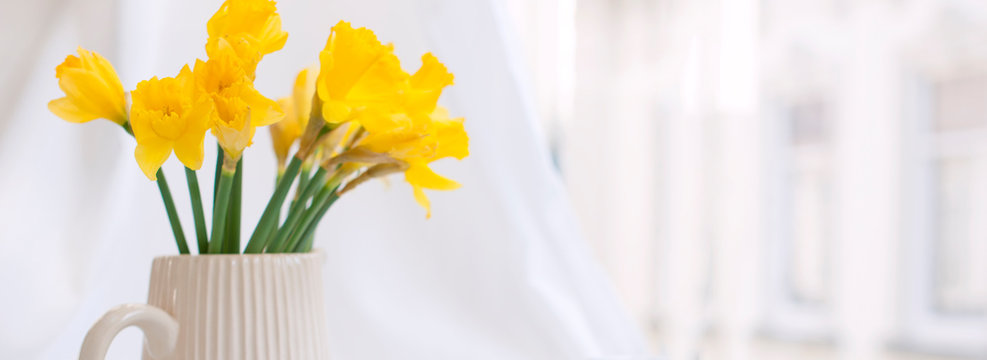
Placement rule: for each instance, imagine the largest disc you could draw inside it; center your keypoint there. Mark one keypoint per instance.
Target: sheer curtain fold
(499, 272)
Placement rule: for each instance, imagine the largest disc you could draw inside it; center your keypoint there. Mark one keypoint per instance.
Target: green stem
(200, 218)
(219, 211)
(231, 245)
(268, 220)
(277, 180)
(215, 179)
(321, 200)
(303, 178)
(309, 234)
(176, 224)
(297, 210)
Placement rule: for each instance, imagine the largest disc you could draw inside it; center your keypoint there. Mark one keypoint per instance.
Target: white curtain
(499, 272)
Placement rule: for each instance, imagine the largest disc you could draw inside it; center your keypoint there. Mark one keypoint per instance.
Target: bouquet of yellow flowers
(356, 116)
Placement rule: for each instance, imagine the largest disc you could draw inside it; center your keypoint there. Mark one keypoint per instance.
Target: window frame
(785, 316)
(922, 326)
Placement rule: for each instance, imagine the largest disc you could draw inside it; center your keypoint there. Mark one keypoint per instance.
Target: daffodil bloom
(284, 132)
(232, 125)
(223, 78)
(399, 143)
(426, 85)
(169, 114)
(303, 92)
(357, 72)
(251, 27)
(223, 75)
(92, 90)
(296, 109)
(408, 141)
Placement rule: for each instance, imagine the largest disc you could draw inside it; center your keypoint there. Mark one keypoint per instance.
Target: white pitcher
(219, 307)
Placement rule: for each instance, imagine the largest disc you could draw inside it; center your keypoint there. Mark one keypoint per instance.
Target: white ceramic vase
(217, 307)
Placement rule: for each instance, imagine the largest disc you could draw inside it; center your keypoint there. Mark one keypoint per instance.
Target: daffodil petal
(419, 174)
(335, 112)
(252, 26)
(432, 75)
(107, 72)
(303, 92)
(151, 154)
(422, 200)
(189, 149)
(92, 89)
(272, 38)
(67, 110)
(284, 132)
(91, 94)
(380, 121)
(264, 111)
(381, 83)
(427, 84)
(452, 139)
(357, 71)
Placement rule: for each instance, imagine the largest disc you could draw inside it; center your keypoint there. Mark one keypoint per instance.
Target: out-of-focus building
(777, 179)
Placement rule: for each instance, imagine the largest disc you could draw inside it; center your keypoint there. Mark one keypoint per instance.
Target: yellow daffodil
(426, 85)
(232, 126)
(357, 72)
(251, 27)
(439, 136)
(303, 92)
(169, 114)
(223, 75)
(92, 90)
(284, 132)
(296, 109)
(409, 140)
(224, 79)
(417, 128)
(400, 143)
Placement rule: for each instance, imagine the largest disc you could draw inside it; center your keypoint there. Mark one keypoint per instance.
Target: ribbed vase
(229, 307)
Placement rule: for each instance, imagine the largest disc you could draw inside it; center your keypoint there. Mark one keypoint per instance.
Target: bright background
(500, 271)
(773, 179)
(776, 179)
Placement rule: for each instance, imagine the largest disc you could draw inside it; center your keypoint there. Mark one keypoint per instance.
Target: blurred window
(799, 279)
(960, 195)
(946, 271)
(960, 246)
(809, 204)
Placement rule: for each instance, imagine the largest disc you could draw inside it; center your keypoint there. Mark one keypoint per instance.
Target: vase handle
(160, 331)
